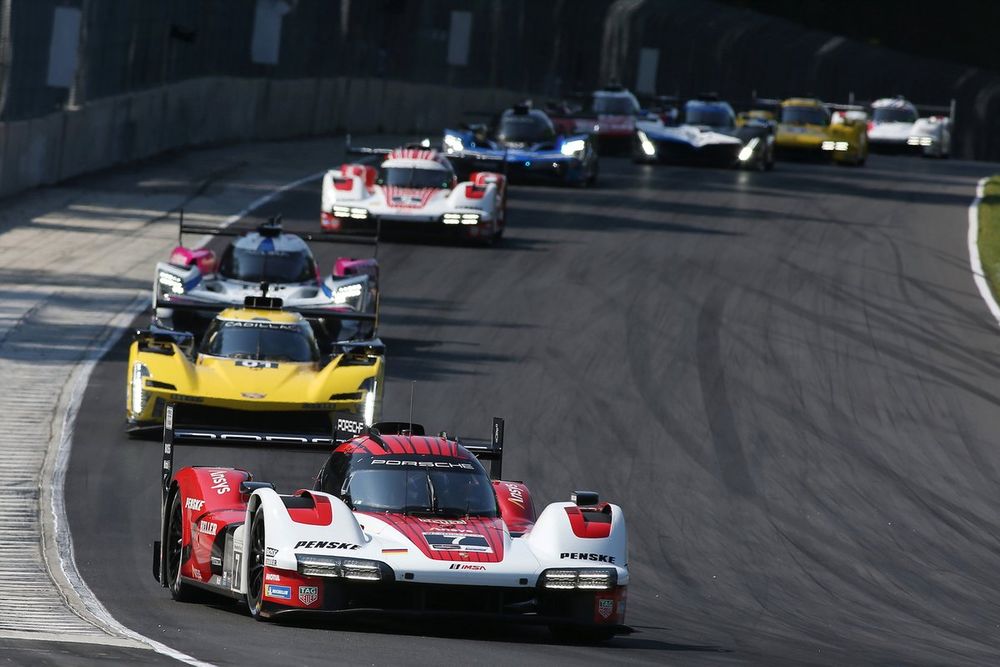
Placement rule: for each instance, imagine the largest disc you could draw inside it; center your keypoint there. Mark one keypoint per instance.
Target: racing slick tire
(574, 634)
(175, 544)
(255, 567)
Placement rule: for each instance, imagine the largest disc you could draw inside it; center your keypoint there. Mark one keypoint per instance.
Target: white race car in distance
(413, 191)
(896, 126)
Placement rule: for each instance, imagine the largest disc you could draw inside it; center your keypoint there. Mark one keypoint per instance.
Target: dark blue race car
(522, 143)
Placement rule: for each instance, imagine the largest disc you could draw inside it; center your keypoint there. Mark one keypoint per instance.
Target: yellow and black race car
(254, 365)
(808, 128)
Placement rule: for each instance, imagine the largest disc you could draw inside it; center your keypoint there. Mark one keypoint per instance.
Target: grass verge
(989, 233)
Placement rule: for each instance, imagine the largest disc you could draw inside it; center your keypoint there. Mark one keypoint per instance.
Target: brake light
(871, 124)
(343, 183)
(475, 192)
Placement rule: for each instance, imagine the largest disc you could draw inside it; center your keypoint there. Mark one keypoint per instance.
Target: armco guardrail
(124, 128)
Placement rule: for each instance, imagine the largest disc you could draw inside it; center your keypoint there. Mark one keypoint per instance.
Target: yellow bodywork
(162, 372)
(845, 141)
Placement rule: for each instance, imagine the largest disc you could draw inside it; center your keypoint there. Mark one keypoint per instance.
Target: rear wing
(490, 450)
(273, 227)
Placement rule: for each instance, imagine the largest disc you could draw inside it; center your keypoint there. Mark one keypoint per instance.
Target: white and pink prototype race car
(413, 191)
(396, 522)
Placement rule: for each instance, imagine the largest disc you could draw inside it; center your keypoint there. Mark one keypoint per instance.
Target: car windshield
(448, 492)
(409, 177)
(531, 129)
(805, 116)
(258, 265)
(890, 115)
(712, 116)
(260, 341)
(618, 105)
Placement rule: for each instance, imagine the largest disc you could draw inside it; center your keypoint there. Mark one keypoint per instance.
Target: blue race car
(523, 144)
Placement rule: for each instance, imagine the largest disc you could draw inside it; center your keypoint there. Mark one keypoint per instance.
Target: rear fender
(210, 500)
(482, 195)
(346, 267)
(563, 537)
(516, 508)
(204, 259)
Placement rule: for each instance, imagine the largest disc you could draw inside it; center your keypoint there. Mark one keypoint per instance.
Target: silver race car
(271, 259)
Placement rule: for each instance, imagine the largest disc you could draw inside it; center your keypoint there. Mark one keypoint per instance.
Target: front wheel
(175, 553)
(255, 567)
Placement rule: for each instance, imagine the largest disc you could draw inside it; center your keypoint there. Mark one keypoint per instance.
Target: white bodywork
(524, 557)
(447, 205)
(931, 135)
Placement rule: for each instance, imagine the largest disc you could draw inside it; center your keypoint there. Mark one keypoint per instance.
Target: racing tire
(572, 634)
(175, 549)
(255, 567)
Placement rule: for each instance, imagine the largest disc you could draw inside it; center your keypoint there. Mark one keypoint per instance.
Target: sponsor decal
(308, 595)
(253, 437)
(237, 569)
(258, 324)
(605, 607)
(169, 419)
(422, 464)
(443, 522)
(600, 558)
(271, 561)
(219, 481)
(514, 494)
(196, 573)
(271, 576)
(270, 551)
(216, 561)
(395, 551)
(280, 592)
(458, 542)
(194, 504)
(350, 426)
(250, 394)
(184, 398)
(208, 528)
(256, 363)
(466, 566)
(325, 545)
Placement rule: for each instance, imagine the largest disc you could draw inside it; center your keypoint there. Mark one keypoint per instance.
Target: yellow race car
(256, 365)
(808, 128)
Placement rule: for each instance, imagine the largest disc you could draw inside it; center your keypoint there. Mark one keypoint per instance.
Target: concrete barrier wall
(214, 110)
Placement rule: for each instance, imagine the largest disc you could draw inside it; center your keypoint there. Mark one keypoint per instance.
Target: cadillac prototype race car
(267, 255)
(809, 129)
(896, 126)
(610, 116)
(395, 522)
(258, 363)
(711, 134)
(414, 190)
(524, 141)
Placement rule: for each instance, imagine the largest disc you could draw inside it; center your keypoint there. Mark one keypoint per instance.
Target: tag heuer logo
(605, 607)
(308, 595)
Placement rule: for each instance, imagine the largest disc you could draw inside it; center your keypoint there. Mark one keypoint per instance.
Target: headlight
(345, 212)
(573, 147)
(139, 396)
(170, 282)
(747, 151)
(348, 293)
(370, 406)
(647, 146)
(332, 566)
(453, 144)
(590, 579)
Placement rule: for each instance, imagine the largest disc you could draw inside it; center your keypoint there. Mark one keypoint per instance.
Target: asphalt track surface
(787, 379)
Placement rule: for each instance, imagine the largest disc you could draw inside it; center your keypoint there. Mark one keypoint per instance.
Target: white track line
(79, 382)
(977, 266)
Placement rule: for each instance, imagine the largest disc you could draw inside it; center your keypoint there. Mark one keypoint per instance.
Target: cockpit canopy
(438, 486)
(260, 340)
(281, 263)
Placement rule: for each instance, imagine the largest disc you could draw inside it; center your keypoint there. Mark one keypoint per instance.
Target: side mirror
(585, 498)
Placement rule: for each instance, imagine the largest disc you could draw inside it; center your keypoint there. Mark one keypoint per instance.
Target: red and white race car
(414, 190)
(396, 522)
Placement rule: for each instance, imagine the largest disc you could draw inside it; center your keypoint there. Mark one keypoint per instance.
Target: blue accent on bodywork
(266, 245)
